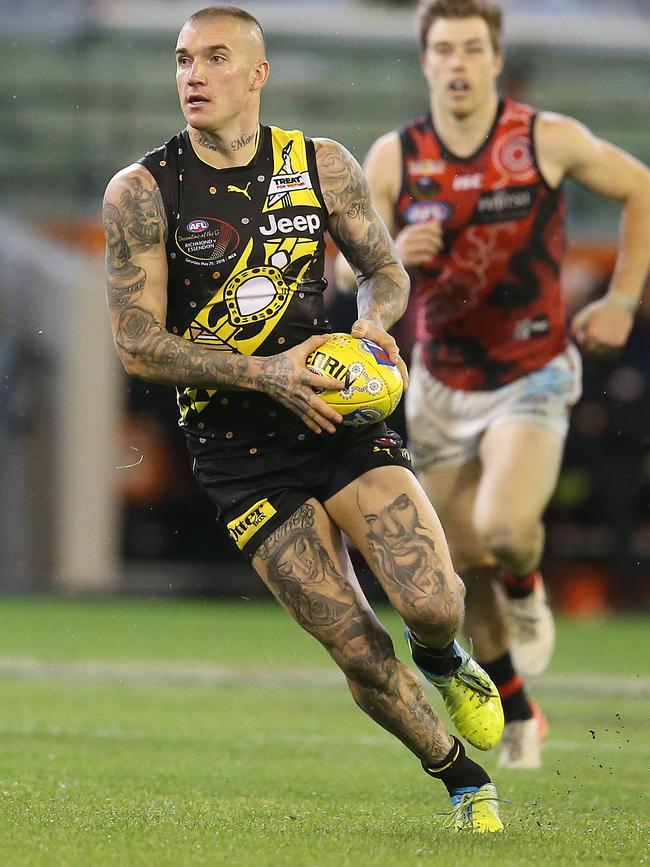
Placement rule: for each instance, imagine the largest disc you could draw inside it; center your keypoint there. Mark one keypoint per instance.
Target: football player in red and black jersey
(472, 193)
(215, 260)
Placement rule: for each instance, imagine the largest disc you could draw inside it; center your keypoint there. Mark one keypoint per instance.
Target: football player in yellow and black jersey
(215, 246)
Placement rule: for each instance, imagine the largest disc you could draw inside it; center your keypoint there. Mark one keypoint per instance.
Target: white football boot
(531, 629)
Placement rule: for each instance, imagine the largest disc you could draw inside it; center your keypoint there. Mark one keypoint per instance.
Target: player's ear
(499, 62)
(261, 75)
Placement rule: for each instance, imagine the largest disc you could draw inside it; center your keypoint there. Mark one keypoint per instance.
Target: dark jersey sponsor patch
(508, 203)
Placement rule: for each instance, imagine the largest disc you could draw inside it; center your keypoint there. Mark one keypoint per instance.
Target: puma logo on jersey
(299, 224)
(234, 189)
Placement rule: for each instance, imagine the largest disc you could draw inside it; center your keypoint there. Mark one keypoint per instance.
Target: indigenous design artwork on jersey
(489, 304)
(284, 235)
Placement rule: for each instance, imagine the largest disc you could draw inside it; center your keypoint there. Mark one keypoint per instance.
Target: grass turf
(99, 771)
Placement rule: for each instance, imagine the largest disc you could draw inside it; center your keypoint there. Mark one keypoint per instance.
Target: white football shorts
(445, 425)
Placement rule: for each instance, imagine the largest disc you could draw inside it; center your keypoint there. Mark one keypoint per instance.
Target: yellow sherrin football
(373, 384)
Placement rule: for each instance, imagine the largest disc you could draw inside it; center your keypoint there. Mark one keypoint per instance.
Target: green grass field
(165, 734)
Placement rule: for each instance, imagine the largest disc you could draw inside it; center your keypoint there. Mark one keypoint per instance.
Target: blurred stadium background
(156, 711)
(95, 490)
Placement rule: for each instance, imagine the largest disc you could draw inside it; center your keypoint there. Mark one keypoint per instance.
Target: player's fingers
(576, 328)
(422, 250)
(403, 369)
(322, 414)
(367, 329)
(312, 343)
(387, 342)
(320, 382)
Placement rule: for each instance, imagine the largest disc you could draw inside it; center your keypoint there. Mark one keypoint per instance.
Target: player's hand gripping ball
(373, 384)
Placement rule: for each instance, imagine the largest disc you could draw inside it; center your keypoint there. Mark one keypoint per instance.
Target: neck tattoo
(205, 142)
(242, 141)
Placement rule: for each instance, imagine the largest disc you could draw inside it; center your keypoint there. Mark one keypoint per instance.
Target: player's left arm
(566, 148)
(361, 235)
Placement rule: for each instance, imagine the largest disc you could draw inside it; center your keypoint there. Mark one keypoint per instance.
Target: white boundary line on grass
(203, 674)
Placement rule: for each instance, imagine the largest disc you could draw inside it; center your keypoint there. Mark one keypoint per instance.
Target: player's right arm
(416, 244)
(135, 228)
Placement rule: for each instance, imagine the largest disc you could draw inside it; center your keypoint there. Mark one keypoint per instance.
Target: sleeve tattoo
(362, 236)
(135, 224)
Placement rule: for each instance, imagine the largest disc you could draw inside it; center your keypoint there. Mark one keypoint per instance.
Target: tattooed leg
(305, 566)
(389, 518)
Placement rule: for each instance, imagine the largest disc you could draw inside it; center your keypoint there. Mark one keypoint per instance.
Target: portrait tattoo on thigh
(403, 548)
(302, 574)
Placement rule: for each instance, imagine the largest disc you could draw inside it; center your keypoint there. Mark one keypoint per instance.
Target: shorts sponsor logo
(509, 203)
(422, 212)
(244, 527)
(301, 224)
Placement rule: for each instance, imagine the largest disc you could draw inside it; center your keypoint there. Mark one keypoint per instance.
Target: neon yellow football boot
(471, 698)
(475, 810)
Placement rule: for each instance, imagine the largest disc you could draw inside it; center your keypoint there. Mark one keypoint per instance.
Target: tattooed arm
(361, 235)
(416, 243)
(135, 227)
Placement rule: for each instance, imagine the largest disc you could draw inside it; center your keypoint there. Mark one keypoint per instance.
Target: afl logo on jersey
(207, 240)
(197, 226)
(423, 212)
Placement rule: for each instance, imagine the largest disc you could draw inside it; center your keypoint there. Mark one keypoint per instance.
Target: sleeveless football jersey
(489, 306)
(245, 252)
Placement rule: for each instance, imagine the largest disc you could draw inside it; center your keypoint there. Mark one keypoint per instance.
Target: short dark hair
(226, 12)
(491, 13)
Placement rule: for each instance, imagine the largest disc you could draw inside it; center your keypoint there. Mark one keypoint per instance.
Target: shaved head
(213, 13)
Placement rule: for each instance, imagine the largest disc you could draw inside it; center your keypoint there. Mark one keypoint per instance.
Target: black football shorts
(257, 490)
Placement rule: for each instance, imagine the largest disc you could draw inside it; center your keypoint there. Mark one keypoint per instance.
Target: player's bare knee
(509, 544)
(368, 659)
(438, 613)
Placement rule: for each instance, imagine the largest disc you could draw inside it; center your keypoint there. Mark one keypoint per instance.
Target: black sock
(519, 586)
(438, 661)
(510, 685)
(457, 771)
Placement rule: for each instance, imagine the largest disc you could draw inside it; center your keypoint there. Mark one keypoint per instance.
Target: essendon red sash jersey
(489, 306)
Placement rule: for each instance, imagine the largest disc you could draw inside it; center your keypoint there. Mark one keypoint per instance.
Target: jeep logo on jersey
(207, 240)
(197, 225)
(509, 203)
(241, 529)
(422, 212)
(301, 223)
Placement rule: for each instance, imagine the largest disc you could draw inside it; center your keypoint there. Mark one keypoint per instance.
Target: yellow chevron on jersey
(291, 183)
